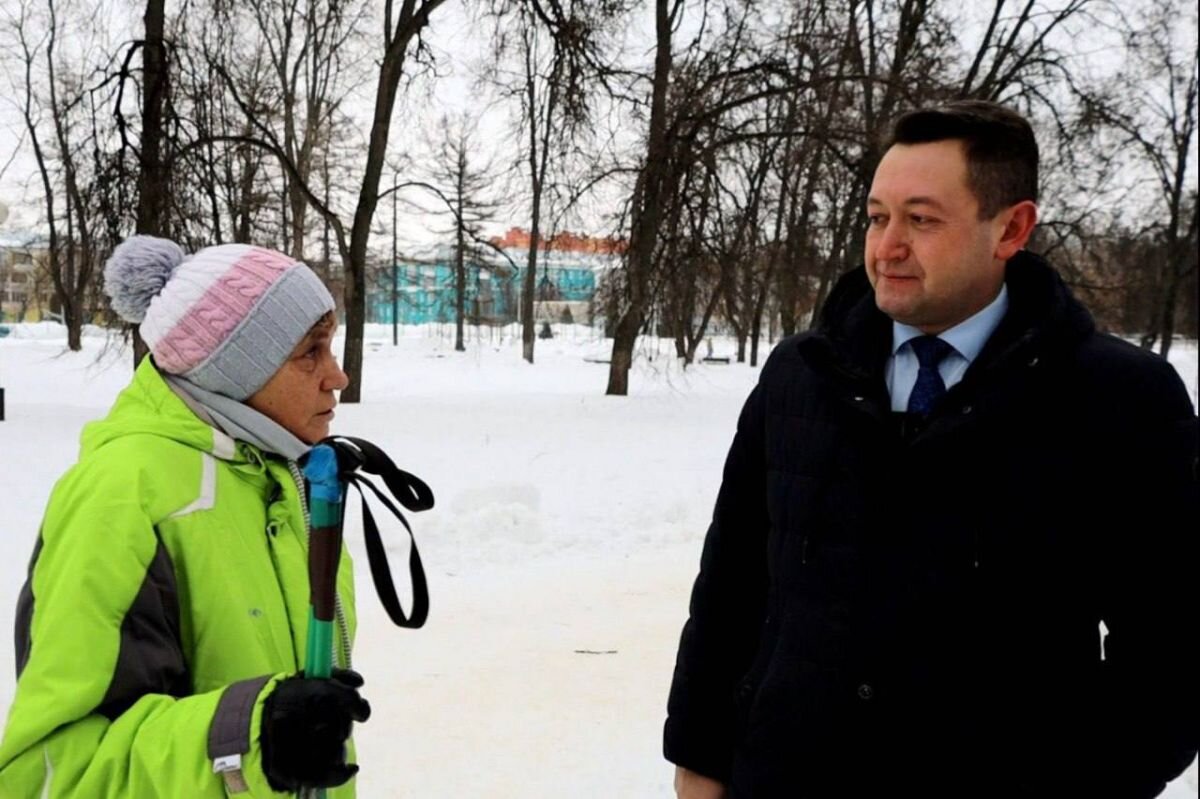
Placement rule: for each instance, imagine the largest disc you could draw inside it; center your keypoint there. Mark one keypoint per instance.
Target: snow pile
(50, 331)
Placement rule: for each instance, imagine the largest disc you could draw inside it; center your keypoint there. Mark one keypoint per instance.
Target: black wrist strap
(355, 455)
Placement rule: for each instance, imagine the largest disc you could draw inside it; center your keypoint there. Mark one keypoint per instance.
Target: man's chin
(897, 308)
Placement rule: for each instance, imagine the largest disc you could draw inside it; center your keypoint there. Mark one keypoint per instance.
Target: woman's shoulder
(154, 473)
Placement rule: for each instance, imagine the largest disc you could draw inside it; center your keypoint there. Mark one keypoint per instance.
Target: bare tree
(690, 260)
(1153, 109)
(401, 28)
(462, 185)
(153, 172)
(306, 46)
(558, 48)
(648, 196)
(72, 256)
(712, 84)
(153, 177)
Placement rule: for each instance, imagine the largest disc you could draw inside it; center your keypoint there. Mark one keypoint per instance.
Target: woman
(161, 630)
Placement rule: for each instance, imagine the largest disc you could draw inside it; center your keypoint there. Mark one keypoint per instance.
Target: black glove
(305, 724)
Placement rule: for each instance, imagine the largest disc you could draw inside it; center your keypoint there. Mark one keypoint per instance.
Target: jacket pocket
(747, 687)
(793, 713)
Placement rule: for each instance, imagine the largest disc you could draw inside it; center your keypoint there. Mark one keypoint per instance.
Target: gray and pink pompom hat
(225, 318)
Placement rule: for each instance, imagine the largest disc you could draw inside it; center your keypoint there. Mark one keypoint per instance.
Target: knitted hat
(225, 318)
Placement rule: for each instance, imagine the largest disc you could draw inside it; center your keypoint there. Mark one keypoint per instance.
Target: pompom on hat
(225, 318)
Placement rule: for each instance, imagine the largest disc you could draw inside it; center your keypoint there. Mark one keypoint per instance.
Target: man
(954, 547)
(162, 630)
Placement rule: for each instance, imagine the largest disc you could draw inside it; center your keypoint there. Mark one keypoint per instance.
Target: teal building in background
(424, 291)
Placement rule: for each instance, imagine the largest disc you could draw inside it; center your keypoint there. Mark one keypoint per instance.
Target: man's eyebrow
(911, 201)
(921, 200)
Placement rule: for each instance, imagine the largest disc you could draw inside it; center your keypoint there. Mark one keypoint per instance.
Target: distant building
(568, 268)
(22, 256)
(518, 239)
(425, 293)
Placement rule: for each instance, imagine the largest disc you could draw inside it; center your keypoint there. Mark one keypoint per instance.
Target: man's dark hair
(1002, 154)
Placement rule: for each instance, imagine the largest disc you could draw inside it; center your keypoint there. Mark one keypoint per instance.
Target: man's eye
(875, 220)
(918, 219)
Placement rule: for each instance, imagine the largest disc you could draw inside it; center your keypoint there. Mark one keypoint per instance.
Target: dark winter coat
(898, 609)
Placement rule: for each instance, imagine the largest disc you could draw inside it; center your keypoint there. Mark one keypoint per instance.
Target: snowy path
(495, 699)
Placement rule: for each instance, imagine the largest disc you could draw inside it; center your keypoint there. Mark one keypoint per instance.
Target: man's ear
(1019, 221)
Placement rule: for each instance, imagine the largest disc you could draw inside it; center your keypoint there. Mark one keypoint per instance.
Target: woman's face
(300, 396)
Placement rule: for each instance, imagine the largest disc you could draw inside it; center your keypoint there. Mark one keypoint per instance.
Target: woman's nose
(337, 380)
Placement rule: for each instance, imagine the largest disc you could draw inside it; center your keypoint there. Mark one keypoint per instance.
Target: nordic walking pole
(324, 551)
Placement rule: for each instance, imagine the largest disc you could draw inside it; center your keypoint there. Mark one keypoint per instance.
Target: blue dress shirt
(967, 338)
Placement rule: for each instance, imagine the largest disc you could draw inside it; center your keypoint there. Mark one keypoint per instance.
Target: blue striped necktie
(930, 350)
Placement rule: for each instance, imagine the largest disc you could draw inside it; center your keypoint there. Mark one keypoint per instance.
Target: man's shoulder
(789, 350)
(785, 362)
(1111, 356)
(1119, 372)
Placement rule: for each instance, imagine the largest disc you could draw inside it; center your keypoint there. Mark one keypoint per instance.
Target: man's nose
(892, 244)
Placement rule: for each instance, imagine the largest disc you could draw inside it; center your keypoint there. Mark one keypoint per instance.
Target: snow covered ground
(560, 554)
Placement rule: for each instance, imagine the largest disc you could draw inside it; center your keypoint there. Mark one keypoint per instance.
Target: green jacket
(167, 593)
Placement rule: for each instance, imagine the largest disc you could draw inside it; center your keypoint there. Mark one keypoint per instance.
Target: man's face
(930, 259)
(300, 395)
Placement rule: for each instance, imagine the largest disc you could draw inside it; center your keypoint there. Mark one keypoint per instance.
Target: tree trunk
(537, 173)
(354, 260)
(624, 339)
(299, 205)
(1166, 329)
(355, 319)
(702, 330)
(612, 311)
(828, 274)
(74, 322)
(788, 295)
(153, 180)
(460, 287)
(756, 322)
(529, 283)
(244, 213)
(647, 204)
(1158, 303)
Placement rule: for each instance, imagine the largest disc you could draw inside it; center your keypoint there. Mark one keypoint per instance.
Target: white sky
(458, 44)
